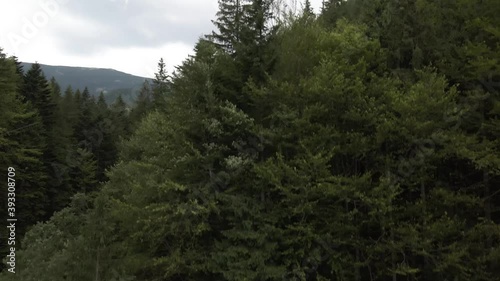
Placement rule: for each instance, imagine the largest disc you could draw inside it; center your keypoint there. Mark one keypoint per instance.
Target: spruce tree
(229, 24)
(143, 104)
(22, 147)
(36, 91)
(161, 86)
(105, 153)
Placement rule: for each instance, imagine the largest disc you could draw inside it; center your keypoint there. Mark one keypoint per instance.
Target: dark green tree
(161, 86)
(143, 104)
(229, 24)
(37, 92)
(22, 147)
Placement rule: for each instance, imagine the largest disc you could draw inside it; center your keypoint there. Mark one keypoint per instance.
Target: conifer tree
(105, 153)
(307, 8)
(229, 24)
(38, 94)
(59, 142)
(161, 86)
(86, 119)
(36, 91)
(143, 104)
(22, 147)
(102, 106)
(243, 35)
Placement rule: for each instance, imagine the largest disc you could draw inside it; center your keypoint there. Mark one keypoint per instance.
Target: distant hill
(109, 81)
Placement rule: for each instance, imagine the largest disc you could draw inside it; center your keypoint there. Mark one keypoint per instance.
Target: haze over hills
(109, 81)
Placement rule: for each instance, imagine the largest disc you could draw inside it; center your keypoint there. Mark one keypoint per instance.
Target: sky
(126, 35)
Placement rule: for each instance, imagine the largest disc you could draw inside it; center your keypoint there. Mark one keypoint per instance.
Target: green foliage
(143, 104)
(52, 141)
(37, 92)
(21, 143)
(161, 86)
(71, 246)
(362, 145)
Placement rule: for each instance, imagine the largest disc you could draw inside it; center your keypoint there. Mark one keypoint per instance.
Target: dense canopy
(358, 144)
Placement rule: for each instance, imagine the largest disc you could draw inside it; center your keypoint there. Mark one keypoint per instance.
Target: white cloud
(78, 24)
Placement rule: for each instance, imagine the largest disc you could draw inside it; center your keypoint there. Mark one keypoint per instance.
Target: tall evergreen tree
(307, 10)
(244, 35)
(161, 86)
(22, 147)
(86, 120)
(36, 91)
(143, 104)
(229, 24)
(105, 152)
(59, 143)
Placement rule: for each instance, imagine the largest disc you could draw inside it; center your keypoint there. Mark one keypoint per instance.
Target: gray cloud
(132, 23)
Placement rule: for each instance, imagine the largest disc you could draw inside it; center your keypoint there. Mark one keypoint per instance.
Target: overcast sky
(126, 35)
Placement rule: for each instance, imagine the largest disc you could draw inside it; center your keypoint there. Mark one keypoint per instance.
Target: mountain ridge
(110, 82)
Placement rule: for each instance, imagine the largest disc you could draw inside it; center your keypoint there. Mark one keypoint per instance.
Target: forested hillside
(108, 81)
(361, 143)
